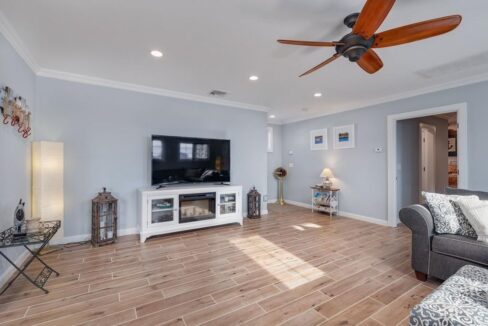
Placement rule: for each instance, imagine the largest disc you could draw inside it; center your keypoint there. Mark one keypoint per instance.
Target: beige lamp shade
(326, 173)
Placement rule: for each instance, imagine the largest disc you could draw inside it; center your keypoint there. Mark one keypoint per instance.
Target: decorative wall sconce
(15, 112)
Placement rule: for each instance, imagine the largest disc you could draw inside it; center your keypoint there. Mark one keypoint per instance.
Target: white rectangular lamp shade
(48, 183)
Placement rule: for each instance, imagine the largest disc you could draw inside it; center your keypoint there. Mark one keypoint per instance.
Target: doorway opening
(427, 151)
(422, 157)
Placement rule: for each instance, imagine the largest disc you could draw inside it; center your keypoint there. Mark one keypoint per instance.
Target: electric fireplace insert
(197, 207)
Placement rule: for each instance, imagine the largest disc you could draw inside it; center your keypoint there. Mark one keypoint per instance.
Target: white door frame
(462, 118)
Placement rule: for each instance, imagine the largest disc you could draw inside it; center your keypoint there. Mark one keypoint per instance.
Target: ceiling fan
(358, 45)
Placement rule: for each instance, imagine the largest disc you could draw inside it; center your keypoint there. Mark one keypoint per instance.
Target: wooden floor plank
(289, 310)
(355, 314)
(236, 317)
(348, 298)
(399, 309)
(307, 318)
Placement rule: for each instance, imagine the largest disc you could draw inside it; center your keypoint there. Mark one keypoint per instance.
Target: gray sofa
(441, 255)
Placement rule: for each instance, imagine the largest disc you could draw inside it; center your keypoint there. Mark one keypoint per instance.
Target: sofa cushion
(461, 247)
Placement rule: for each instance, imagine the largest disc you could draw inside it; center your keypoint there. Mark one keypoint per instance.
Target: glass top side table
(38, 240)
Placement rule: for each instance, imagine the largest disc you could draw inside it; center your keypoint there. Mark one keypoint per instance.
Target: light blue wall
(106, 134)
(274, 161)
(362, 173)
(15, 181)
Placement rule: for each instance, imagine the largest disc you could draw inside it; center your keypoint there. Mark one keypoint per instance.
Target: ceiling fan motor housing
(351, 19)
(353, 46)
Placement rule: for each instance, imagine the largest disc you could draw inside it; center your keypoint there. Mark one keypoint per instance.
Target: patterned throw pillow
(466, 229)
(446, 219)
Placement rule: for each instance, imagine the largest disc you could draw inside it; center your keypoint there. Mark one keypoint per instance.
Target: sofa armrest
(419, 219)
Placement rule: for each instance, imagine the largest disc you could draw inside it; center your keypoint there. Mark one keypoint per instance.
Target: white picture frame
(319, 140)
(345, 137)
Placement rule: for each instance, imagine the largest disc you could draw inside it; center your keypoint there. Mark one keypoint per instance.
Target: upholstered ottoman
(460, 300)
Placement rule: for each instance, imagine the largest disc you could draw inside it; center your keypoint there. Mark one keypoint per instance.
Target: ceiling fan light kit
(358, 45)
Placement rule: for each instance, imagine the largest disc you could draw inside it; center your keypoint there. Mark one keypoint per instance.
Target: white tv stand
(160, 208)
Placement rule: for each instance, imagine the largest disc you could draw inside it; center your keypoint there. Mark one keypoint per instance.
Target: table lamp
(327, 175)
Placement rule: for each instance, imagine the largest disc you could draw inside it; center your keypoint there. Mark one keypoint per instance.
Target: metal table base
(41, 238)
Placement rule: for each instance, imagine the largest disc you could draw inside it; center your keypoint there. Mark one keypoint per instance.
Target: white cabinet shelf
(159, 209)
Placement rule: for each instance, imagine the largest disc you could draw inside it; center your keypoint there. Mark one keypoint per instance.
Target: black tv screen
(189, 160)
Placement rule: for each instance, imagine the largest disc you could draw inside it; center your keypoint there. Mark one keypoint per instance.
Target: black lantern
(104, 219)
(253, 203)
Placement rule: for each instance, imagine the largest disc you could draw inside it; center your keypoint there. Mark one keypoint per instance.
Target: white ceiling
(218, 44)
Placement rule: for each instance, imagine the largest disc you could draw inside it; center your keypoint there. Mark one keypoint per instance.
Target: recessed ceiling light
(317, 94)
(156, 53)
(272, 116)
(253, 78)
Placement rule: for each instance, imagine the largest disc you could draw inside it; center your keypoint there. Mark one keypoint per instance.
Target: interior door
(427, 157)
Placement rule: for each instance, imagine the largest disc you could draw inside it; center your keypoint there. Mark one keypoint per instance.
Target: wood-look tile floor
(291, 267)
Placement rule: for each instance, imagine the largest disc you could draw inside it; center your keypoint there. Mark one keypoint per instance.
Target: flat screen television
(189, 160)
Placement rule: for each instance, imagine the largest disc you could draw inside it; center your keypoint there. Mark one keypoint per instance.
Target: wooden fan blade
(371, 17)
(309, 43)
(417, 31)
(370, 62)
(335, 56)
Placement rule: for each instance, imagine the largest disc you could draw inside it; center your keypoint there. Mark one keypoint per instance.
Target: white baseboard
(9, 272)
(86, 237)
(364, 218)
(272, 200)
(343, 213)
(297, 203)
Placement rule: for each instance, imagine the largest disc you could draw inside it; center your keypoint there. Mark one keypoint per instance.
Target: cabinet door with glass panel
(163, 210)
(228, 204)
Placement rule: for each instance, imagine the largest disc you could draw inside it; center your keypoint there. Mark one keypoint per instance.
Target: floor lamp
(48, 184)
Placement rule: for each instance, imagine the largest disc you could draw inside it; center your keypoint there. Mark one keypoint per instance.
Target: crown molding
(9, 33)
(7, 30)
(48, 73)
(387, 99)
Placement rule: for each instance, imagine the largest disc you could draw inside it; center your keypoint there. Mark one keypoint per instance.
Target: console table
(325, 200)
(39, 240)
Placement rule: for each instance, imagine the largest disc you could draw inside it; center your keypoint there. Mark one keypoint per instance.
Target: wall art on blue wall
(344, 137)
(318, 140)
